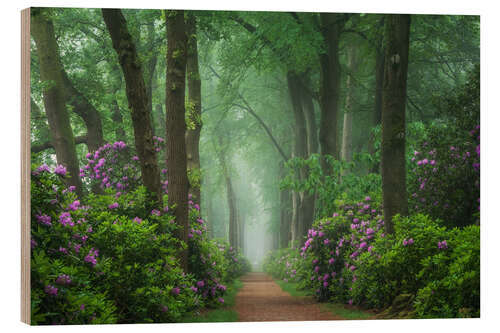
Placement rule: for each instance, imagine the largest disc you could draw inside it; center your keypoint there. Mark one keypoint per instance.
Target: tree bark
(233, 224)
(82, 107)
(137, 98)
(209, 217)
(377, 112)
(395, 200)
(285, 213)
(300, 150)
(151, 64)
(194, 98)
(331, 27)
(116, 116)
(175, 122)
(42, 30)
(241, 232)
(48, 145)
(309, 115)
(159, 116)
(347, 129)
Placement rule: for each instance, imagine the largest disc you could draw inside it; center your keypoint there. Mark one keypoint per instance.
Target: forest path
(261, 299)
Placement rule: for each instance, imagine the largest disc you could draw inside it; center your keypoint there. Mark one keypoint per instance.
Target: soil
(261, 299)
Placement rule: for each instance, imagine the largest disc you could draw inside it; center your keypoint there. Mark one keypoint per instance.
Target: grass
(346, 312)
(292, 288)
(221, 314)
(340, 310)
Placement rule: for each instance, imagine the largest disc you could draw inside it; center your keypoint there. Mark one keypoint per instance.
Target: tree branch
(48, 145)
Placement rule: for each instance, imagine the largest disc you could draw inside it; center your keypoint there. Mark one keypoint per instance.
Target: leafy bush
(454, 278)
(108, 258)
(349, 259)
(445, 166)
(341, 182)
(283, 264)
(61, 280)
(392, 267)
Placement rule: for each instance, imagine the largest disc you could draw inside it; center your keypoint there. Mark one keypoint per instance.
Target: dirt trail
(261, 299)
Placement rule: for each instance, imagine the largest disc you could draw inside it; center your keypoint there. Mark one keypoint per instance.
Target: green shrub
(392, 267)
(107, 258)
(453, 278)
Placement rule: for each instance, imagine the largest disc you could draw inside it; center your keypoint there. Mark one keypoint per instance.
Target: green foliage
(444, 169)
(107, 259)
(349, 259)
(340, 183)
(392, 267)
(454, 278)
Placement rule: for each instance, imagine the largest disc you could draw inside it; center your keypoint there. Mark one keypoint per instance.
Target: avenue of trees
(265, 121)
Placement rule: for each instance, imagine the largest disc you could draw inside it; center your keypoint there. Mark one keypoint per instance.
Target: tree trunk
(395, 200)
(62, 138)
(209, 217)
(194, 99)
(285, 213)
(347, 131)
(150, 64)
(377, 114)
(241, 232)
(159, 116)
(310, 117)
(233, 223)
(300, 150)
(137, 99)
(295, 218)
(175, 122)
(116, 117)
(331, 27)
(82, 107)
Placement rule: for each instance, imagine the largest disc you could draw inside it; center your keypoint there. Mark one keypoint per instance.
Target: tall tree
(395, 199)
(85, 109)
(221, 151)
(347, 129)
(285, 212)
(194, 107)
(379, 78)
(176, 124)
(300, 150)
(42, 30)
(331, 25)
(138, 99)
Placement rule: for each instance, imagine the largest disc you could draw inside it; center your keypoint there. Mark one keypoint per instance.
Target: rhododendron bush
(348, 258)
(110, 258)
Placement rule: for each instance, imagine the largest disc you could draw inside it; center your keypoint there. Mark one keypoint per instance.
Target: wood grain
(25, 168)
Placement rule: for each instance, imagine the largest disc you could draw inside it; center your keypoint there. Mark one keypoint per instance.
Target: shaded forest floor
(262, 299)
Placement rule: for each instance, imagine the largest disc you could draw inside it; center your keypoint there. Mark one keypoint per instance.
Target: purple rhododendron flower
(176, 291)
(442, 245)
(44, 219)
(113, 205)
(51, 290)
(60, 170)
(63, 279)
(74, 205)
(65, 219)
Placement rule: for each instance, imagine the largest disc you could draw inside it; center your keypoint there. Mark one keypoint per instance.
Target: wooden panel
(25, 168)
